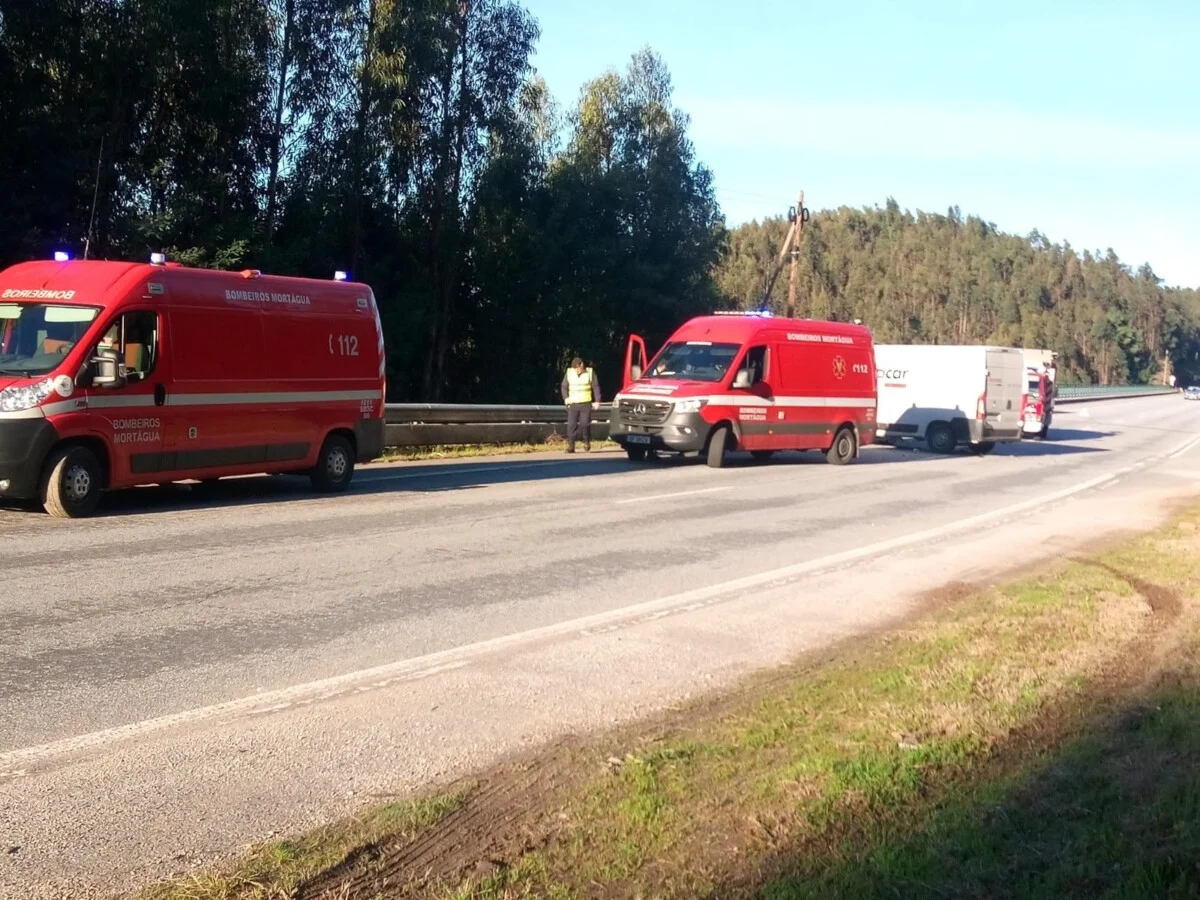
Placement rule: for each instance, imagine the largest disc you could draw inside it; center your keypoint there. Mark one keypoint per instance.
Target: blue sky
(1081, 119)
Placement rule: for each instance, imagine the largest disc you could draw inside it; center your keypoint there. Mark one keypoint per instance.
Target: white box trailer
(949, 395)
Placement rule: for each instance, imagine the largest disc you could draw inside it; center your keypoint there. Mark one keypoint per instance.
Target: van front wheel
(71, 484)
(335, 465)
(842, 449)
(716, 447)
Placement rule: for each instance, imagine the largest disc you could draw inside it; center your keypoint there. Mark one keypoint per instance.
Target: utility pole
(797, 216)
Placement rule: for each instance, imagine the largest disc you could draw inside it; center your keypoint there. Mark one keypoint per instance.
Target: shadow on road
(1110, 810)
(1076, 434)
(458, 476)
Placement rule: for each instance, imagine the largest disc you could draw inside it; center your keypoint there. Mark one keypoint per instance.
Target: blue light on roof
(339, 275)
(158, 259)
(61, 256)
(754, 313)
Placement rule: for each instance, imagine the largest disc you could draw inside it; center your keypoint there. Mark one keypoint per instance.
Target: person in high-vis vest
(581, 394)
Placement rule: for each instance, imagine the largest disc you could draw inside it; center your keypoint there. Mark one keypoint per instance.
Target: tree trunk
(448, 225)
(285, 60)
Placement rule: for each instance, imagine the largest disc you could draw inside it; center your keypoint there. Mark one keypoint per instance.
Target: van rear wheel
(335, 465)
(940, 438)
(841, 451)
(716, 447)
(71, 484)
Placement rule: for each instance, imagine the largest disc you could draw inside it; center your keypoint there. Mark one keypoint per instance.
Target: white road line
(1184, 447)
(710, 490)
(422, 666)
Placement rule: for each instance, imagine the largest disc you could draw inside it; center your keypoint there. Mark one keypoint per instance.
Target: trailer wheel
(71, 483)
(335, 465)
(983, 448)
(841, 451)
(940, 437)
(716, 447)
(635, 454)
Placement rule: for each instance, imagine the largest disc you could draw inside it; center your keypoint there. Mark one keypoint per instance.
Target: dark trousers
(579, 424)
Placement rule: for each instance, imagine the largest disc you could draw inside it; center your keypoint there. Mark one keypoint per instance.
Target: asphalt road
(324, 624)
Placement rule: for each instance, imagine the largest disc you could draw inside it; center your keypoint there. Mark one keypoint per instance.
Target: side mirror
(635, 372)
(108, 369)
(741, 381)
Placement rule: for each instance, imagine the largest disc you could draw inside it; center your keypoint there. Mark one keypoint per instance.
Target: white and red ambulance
(753, 382)
(117, 374)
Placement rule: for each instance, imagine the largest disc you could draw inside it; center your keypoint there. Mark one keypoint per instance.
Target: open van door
(635, 360)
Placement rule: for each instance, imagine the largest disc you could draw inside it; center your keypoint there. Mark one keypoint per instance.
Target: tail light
(981, 407)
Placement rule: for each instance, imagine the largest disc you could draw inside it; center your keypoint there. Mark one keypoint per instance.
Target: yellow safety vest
(579, 387)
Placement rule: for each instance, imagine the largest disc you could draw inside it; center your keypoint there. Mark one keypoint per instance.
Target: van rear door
(1005, 389)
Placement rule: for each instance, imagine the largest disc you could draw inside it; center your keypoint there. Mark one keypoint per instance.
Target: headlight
(16, 399)
(689, 406)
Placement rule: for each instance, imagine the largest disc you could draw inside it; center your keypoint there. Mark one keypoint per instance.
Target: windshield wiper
(24, 373)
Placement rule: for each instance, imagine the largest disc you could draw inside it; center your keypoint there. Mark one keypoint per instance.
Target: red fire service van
(117, 374)
(749, 381)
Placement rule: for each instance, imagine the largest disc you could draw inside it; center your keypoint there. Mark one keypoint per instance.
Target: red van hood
(7, 380)
(670, 389)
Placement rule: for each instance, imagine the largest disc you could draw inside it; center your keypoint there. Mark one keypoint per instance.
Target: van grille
(644, 412)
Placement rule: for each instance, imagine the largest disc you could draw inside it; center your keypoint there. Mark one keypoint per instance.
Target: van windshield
(693, 361)
(34, 337)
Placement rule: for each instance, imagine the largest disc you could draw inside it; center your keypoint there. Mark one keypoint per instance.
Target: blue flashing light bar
(756, 313)
(61, 256)
(339, 275)
(158, 259)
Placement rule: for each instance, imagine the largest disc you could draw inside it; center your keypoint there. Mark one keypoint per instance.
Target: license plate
(637, 438)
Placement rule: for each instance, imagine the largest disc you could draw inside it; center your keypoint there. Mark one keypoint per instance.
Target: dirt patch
(510, 811)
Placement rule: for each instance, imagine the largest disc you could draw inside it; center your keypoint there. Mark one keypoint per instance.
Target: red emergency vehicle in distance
(749, 381)
(117, 374)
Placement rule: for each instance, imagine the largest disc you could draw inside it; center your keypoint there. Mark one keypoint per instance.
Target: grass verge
(466, 451)
(1039, 738)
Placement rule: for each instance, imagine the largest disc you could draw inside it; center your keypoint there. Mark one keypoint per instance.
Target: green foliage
(407, 141)
(410, 142)
(928, 278)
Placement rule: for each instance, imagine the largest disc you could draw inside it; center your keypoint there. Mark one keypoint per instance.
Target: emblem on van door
(193, 433)
(839, 367)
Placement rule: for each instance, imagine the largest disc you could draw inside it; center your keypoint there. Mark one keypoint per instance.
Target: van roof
(741, 328)
(92, 280)
(89, 279)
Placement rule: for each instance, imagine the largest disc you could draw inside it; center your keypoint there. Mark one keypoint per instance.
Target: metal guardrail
(434, 424)
(1075, 393)
(431, 425)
